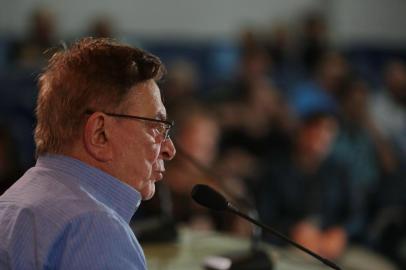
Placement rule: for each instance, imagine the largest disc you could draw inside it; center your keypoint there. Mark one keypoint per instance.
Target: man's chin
(148, 192)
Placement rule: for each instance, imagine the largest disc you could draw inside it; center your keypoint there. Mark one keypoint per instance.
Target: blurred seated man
(101, 139)
(388, 108)
(364, 152)
(196, 135)
(304, 194)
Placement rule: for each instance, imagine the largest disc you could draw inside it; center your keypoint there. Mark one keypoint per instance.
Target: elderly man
(102, 139)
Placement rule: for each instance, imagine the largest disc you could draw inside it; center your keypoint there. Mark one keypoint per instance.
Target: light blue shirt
(65, 214)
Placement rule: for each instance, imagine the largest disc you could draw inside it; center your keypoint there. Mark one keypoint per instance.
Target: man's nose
(168, 149)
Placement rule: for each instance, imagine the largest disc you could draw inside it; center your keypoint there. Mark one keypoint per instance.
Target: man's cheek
(155, 151)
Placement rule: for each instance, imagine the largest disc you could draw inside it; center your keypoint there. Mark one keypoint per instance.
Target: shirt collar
(107, 189)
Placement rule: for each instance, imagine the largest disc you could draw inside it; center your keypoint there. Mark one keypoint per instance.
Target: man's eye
(159, 128)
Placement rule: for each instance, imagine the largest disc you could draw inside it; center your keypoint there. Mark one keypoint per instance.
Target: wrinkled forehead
(145, 99)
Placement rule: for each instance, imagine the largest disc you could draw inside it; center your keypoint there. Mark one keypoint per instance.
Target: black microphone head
(208, 197)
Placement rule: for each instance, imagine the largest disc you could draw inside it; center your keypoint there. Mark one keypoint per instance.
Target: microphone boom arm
(208, 197)
(234, 210)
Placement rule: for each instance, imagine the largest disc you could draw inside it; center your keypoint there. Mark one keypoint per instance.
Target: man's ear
(96, 137)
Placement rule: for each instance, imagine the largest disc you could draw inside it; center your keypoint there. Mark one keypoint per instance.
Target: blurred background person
(34, 50)
(303, 193)
(181, 84)
(387, 231)
(364, 152)
(101, 27)
(196, 136)
(322, 87)
(313, 40)
(388, 107)
(197, 139)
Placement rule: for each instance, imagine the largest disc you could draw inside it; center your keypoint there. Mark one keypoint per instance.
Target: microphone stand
(256, 258)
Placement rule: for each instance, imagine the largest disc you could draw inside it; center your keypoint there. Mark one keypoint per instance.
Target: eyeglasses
(163, 128)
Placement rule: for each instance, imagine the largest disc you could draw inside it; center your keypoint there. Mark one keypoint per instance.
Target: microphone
(208, 197)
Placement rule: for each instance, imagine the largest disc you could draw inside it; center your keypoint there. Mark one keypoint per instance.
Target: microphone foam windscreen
(208, 197)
